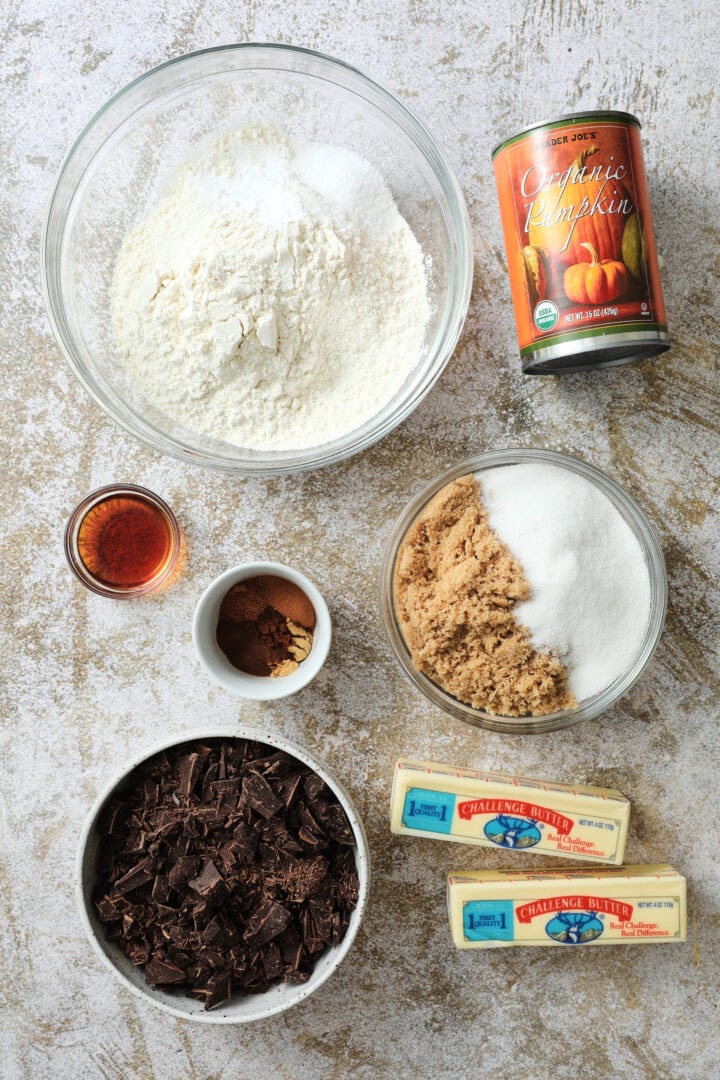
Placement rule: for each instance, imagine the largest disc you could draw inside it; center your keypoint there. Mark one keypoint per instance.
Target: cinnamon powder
(456, 585)
(265, 626)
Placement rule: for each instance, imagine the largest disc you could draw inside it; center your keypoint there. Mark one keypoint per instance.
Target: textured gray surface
(88, 682)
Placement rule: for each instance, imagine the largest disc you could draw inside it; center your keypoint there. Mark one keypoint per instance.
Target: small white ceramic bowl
(258, 687)
(238, 1010)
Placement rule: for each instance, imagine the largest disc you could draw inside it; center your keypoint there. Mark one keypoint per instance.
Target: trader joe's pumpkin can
(580, 245)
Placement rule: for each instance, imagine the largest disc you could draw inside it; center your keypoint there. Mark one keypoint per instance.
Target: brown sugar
(456, 586)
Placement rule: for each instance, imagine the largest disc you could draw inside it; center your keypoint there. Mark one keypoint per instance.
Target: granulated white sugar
(590, 583)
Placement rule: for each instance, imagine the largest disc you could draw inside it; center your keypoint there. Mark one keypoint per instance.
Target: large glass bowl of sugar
(608, 668)
(122, 162)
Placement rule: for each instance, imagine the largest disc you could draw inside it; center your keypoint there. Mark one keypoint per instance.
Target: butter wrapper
(494, 810)
(554, 908)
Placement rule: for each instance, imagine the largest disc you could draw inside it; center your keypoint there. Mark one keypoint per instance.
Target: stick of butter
(604, 906)
(494, 810)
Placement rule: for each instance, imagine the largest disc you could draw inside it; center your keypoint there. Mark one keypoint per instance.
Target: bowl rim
(256, 687)
(461, 262)
(362, 860)
(654, 560)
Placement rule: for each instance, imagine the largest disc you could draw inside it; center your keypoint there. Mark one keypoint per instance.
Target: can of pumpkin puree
(580, 244)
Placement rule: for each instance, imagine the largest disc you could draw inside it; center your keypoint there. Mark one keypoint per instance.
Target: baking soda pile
(275, 298)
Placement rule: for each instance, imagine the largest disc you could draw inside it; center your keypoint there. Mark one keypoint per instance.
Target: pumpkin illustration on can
(541, 272)
(596, 282)
(582, 260)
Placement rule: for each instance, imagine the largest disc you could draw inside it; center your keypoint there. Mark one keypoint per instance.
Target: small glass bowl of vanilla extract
(122, 541)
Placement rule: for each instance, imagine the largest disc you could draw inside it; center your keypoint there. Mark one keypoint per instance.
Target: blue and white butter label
(430, 811)
(488, 920)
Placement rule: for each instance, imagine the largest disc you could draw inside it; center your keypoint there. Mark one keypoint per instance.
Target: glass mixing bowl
(590, 707)
(121, 162)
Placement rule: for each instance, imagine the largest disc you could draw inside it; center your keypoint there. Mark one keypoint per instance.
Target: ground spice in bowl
(265, 626)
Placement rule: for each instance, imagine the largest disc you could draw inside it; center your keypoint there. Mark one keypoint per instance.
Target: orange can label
(580, 243)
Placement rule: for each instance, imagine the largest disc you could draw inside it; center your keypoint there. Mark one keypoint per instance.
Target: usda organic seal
(546, 315)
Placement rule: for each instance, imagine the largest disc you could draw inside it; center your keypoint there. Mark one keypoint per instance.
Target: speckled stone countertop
(87, 682)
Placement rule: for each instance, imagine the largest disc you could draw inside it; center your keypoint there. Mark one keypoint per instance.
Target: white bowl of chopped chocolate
(262, 630)
(223, 875)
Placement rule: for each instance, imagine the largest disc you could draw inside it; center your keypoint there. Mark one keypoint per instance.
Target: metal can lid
(569, 118)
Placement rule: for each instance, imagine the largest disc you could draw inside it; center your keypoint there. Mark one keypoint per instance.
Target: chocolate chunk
(299, 976)
(208, 881)
(313, 787)
(286, 788)
(304, 878)
(335, 823)
(266, 923)
(159, 973)
(179, 958)
(293, 955)
(306, 818)
(135, 842)
(321, 920)
(218, 989)
(107, 912)
(189, 769)
(211, 774)
(219, 931)
(338, 929)
(140, 953)
(311, 839)
(258, 794)
(186, 867)
(224, 868)
(272, 962)
(135, 878)
(161, 889)
(152, 795)
(246, 840)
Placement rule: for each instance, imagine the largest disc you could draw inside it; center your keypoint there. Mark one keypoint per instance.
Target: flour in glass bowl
(275, 297)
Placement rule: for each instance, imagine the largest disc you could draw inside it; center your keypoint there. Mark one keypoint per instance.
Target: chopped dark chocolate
(258, 794)
(182, 870)
(225, 867)
(207, 880)
(335, 823)
(135, 878)
(272, 962)
(269, 920)
(107, 912)
(159, 973)
(161, 889)
(305, 877)
(246, 839)
(189, 769)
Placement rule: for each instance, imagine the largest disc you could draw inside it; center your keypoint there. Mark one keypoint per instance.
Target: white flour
(275, 298)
